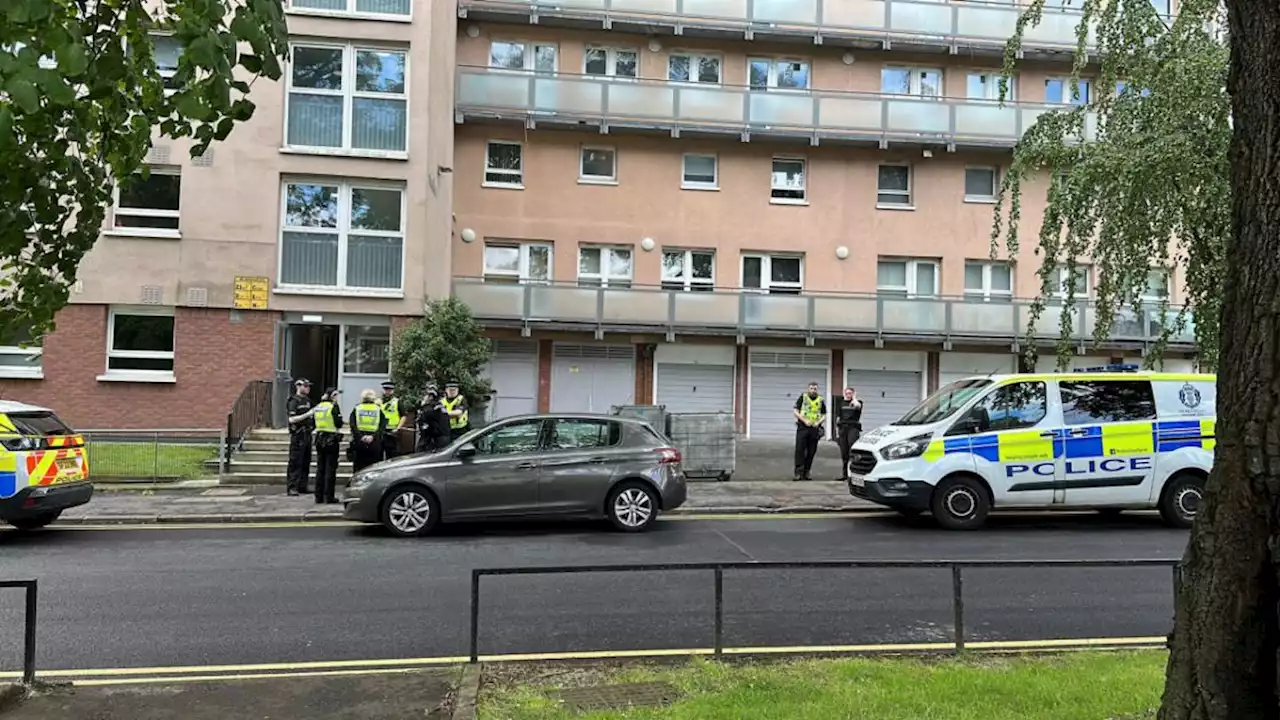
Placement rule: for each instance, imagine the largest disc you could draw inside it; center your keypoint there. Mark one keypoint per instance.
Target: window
(584, 434)
(604, 267)
(400, 8)
(693, 68)
(17, 361)
(1157, 288)
(1058, 91)
(610, 62)
(504, 164)
(517, 262)
(167, 52)
(893, 186)
(1122, 86)
(922, 82)
(769, 73)
(539, 57)
(688, 270)
(517, 437)
(1090, 402)
(988, 281)
(981, 184)
(773, 274)
(342, 235)
(148, 203)
(1161, 7)
(907, 278)
(366, 350)
(347, 98)
(1011, 407)
(786, 185)
(140, 343)
(1063, 282)
(598, 165)
(986, 86)
(699, 172)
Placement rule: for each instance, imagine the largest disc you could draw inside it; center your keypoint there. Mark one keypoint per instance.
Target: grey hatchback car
(529, 466)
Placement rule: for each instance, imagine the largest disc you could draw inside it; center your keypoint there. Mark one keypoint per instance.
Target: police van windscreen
(944, 403)
(38, 424)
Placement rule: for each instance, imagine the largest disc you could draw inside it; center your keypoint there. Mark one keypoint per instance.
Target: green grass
(148, 460)
(1071, 686)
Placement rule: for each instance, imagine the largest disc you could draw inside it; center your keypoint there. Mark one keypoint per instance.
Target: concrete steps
(264, 460)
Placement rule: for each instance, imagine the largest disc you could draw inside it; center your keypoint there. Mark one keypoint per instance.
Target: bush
(445, 344)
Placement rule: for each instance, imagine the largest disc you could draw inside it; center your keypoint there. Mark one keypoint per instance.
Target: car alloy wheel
(409, 512)
(633, 508)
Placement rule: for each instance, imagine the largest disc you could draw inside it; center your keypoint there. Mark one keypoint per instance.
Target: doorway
(312, 352)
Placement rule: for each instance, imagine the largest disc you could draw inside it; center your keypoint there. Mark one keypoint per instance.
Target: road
(160, 597)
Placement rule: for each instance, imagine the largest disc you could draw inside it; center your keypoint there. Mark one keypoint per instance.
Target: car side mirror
(466, 451)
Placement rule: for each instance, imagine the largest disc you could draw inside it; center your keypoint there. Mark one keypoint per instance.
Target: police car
(1108, 438)
(44, 468)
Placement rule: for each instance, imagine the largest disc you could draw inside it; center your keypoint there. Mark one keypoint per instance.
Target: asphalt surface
(148, 598)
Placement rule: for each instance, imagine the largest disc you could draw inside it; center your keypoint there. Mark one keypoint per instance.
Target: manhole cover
(619, 697)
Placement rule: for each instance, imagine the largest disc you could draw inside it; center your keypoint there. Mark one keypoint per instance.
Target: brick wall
(216, 352)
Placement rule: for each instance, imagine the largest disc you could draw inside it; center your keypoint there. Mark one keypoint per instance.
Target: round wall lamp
(647, 244)
(842, 252)
(654, 45)
(468, 235)
(473, 31)
(847, 58)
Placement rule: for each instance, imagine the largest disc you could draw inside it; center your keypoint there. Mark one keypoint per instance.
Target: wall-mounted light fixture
(842, 252)
(473, 31)
(654, 45)
(847, 58)
(468, 235)
(647, 244)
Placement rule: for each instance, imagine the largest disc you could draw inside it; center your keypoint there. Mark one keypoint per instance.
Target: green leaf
(251, 63)
(190, 106)
(225, 125)
(72, 59)
(57, 89)
(23, 92)
(6, 125)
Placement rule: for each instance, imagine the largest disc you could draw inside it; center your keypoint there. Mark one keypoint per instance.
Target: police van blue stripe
(8, 484)
(1088, 445)
(1170, 435)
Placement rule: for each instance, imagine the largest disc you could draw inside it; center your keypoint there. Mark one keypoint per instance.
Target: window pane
(309, 259)
(373, 209)
(973, 277)
(544, 58)
(1018, 405)
(891, 274)
(1053, 91)
(700, 169)
(380, 71)
(979, 182)
(580, 434)
(703, 266)
(758, 73)
(978, 87)
(317, 68)
(159, 191)
(625, 64)
(752, 273)
(793, 75)
(930, 83)
(597, 61)
(589, 261)
(678, 68)
(152, 333)
(1104, 401)
(367, 349)
(339, 5)
(386, 7)
(926, 278)
(501, 258)
(784, 270)
(506, 55)
(311, 206)
(374, 262)
(620, 263)
(1157, 284)
(893, 177)
(315, 120)
(895, 80)
(673, 265)
(597, 163)
(709, 70)
(503, 156)
(516, 438)
(167, 50)
(378, 124)
(1001, 277)
(788, 174)
(130, 363)
(539, 262)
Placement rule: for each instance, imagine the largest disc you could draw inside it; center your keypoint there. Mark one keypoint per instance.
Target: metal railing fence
(152, 454)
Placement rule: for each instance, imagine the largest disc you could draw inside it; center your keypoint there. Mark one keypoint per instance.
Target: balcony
(570, 100)
(971, 27)
(814, 316)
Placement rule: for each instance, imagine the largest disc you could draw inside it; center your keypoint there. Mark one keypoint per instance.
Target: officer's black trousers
(846, 436)
(327, 447)
(455, 433)
(364, 454)
(299, 461)
(806, 449)
(390, 445)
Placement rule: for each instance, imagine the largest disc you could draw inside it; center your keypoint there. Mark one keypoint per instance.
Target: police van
(1108, 438)
(44, 468)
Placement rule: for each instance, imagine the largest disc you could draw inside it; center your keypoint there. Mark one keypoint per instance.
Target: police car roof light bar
(1110, 368)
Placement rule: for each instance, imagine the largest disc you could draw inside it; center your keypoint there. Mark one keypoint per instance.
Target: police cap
(302, 381)
(388, 385)
(451, 384)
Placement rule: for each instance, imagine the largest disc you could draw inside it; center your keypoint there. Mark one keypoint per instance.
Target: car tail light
(668, 455)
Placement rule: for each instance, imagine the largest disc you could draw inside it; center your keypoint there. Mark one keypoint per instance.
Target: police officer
(433, 423)
(848, 428)
(328, 419)
(391, 409)
(301, 423)
(810, 412)
(367, 427)
(455, 406)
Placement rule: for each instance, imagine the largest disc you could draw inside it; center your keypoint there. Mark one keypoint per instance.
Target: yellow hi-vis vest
(391, 408)
(367, 416)
(455, 422)
(324, 418)
(812, 408)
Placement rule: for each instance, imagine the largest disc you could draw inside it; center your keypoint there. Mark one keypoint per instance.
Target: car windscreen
(943, 403)
(38, 424)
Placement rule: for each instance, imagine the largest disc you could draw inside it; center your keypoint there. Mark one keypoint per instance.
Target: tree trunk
(1223, 659)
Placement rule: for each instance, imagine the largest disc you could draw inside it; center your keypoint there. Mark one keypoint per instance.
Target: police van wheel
(1181, 500)
(35, 522)
(960, 504)
(410, 511)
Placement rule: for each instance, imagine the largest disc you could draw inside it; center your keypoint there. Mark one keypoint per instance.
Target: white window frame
(350, 12)
(348, 93)
(686, 184)
(154, 376)
(343, 230)
(611, 61)
(521, 275)
(909, 194)
(604, 278)
(128, 231)
(1085, 85)
(767, 284)
(912, 288)
(529, 50)
(585, 179)
(775, 187)
(694, 59)
(988, 292)
(29, 371)
(915, 81)
(771, 83)
(687, 281)
(1062, 276)
(517, 183)
(991, 81)
(995, 185)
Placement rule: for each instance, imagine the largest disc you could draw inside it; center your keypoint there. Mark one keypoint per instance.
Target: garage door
(886, 394)
(690, 388)
(513, 370)
(591, 378)
(777, 379)
(957, 366)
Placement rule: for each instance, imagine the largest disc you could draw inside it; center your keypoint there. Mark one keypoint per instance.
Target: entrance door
(366, 362)
(312, 352)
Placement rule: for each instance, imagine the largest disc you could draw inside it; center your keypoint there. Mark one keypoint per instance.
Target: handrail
(29, 627)
(718, 568)
(252, 409)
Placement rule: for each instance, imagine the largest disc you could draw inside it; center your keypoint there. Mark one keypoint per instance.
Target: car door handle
(1048, 434)
(527, 466)
(1079, 432)
(597, 460)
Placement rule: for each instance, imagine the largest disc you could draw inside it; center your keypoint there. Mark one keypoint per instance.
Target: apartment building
(701, 203)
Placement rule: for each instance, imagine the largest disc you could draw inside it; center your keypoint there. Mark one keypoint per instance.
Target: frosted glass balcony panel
(920, 116)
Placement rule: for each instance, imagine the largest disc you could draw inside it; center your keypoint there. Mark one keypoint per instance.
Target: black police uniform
(433, 427)
(299, 444)
(848, 430)
(328, 446)
(362, 454)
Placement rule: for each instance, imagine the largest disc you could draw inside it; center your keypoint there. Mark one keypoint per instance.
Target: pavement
(209, 502)
(150, 597)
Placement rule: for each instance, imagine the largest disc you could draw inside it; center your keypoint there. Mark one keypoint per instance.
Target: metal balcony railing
(966, 24)
(735, 108)
(745, 314)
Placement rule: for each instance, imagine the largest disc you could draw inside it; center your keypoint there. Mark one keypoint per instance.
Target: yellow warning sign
(252, 292)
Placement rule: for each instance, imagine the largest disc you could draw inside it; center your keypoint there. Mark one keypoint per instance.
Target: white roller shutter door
(592, 378)
(954, 366)
(777, 379)
(513, 370)
(695, 388)
(886, 395)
